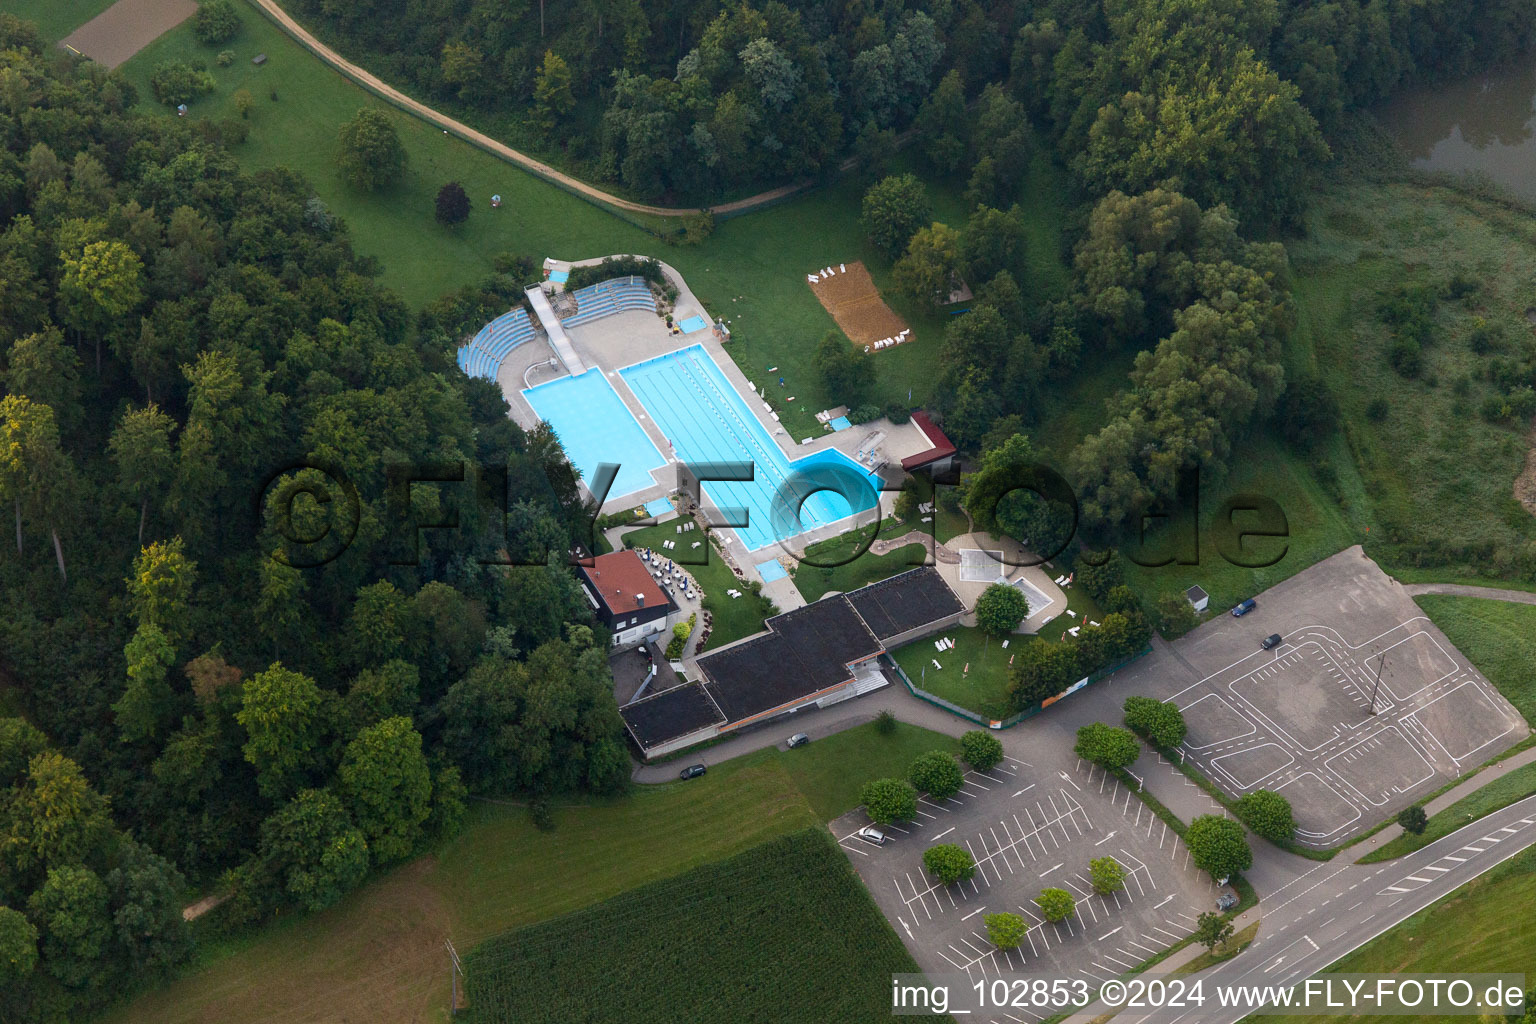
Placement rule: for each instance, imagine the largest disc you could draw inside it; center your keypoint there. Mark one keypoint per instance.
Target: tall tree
(552, 96)
(280, 711)
(141, 449)
(101, 284)
(385, 782)
(370, 153)
(35, 473)
(160, 588)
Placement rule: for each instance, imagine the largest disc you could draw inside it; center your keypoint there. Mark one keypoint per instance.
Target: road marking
(1106, 839)
(1026, 789)
(1458, 860)
(1164, 901)
(1049, 870)
(1109, 933)
(1075, 786)
(973, 913)
(946, 832)
(1416, 878)
(908, 928)
(1438, 870)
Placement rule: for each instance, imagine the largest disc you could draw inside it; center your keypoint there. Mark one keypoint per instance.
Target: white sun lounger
(812, 278)
(843, 267)
(936, 663)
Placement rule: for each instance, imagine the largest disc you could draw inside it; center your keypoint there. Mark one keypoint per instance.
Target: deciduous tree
(888, 800)
(385, 782)
(1218, 846)
(370, 153)
(949, 863)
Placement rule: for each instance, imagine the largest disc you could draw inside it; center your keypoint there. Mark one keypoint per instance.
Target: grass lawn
(1227, 951)
(1498, 637)
(824, 770)
(377, 955)
(949, 525)
(1318, 528)
(56, 19)
(1483, 926)
(983, 689)
(731, 618)
(783, 931)
(1079, 603)
(837, 572)
(1501, 792)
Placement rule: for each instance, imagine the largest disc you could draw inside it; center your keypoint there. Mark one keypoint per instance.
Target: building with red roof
(940, 453)
(626, 598)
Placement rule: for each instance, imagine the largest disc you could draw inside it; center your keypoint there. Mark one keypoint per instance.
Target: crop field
(788, 922)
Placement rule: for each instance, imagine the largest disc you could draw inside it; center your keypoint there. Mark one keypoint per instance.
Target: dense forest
(1225, 100)
(173, 334)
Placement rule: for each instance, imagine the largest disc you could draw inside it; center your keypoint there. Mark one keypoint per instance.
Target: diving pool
(594, 426)
(706, 420)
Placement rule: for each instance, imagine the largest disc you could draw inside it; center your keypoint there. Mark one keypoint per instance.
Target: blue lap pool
(705, 419)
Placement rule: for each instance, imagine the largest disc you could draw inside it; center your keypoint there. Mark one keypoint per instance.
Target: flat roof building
(822, 653)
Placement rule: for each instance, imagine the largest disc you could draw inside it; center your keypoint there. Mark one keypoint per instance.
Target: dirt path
(1465, 590)
(126, 27)
(388, 92)
(939, 552)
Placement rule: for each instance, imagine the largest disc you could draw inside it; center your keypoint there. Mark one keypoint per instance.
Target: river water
(1486, 123)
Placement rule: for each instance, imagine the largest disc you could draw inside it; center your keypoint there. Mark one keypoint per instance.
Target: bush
(937, 774)
(1413, 819)
(233, 131)
(541, 814)
(216, 22)
(1175, 615)
(1056, 904)
(1268, 814)
(1107, 875)
(1107, 746)
(1005, 930)
(617, 266)
(948, 863)
(1376, 410)
(1406, 357)
(888, 800)
(981, 750)
(885, 723)
(1159, 722)
(897, 413)
(1000, 609)
(680, 634)
(175, 82)
(864, 414)
(225, 58)
(1218, 846)
(1100, 579)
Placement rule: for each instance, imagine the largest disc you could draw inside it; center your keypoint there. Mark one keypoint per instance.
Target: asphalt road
(1333, 909)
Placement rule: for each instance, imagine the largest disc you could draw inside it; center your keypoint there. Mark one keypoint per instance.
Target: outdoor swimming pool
(595, 426)
(706, 420)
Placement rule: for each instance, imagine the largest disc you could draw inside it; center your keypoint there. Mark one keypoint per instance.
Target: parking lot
(1300, 719)
(1030, 827)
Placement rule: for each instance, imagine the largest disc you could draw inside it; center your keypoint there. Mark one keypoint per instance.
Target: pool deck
(614, 342)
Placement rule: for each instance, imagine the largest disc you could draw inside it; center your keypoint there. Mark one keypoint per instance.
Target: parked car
(870, 834)
(693, 771)
(799, 739)
(1272, 641)
(1244, 608)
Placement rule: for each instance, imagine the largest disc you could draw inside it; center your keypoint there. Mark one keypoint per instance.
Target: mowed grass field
(751, 271)
(785, 931)
(1483, 926)
(1500, 793)
(378, 954)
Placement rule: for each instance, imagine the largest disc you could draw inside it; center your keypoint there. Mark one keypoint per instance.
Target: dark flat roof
(670, 714)
(805, 651)
(904, 602)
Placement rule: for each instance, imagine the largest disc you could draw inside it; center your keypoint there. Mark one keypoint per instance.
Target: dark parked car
(1244, 608)
(799, 739)
(1272, 641)
(693, 771)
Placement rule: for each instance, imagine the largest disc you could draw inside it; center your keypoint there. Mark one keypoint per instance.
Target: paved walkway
(1466, 590)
